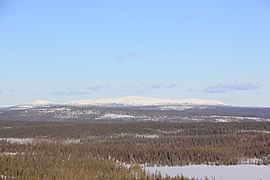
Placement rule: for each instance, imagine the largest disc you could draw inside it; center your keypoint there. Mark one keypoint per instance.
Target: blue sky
(68, 50)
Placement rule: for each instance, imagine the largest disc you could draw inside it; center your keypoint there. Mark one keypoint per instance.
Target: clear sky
(69, 50)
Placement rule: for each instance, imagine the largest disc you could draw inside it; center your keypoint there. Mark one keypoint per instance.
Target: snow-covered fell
(31, 105)
(147, 101)
(41, 102)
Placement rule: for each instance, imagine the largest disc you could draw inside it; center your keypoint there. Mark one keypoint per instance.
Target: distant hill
(135, 109)
(147, 101)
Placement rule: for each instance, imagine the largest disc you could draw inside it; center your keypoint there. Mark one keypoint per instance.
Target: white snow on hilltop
(31, 105)
(21, 107)
(41, 102)
(147, 101)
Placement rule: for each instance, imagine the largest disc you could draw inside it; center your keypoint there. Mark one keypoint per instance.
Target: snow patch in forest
(256, 161)
(6, 177)
(8, 153)
(131, 135)
(71, 141)
(6, 127)
(237, 118)
(175, 107)
(254, 131)
(115, 116)
(170, 132)
(148, 136)
(221, 120)
(33, 141)
(247, 172)
(18, 140)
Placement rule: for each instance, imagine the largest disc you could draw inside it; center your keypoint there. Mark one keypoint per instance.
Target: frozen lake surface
(247, 172)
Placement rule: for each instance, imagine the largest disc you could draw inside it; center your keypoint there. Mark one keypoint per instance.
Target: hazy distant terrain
(172, 113)
(122, 140)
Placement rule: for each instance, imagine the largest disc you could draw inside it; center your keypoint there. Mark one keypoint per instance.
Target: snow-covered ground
(237, 172)
(21, 107)
(5, 127)
(116, 116)
(41, 102)
(237, 118)
(147, 101)
(254, 131)
(18, 140)
(143, 136)
(33, 141)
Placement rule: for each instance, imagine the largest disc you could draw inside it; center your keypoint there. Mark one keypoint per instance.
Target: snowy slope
(147, 101)
(41, 102)
(31, 105)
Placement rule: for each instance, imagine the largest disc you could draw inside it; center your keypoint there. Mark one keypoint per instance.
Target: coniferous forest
(81, 150)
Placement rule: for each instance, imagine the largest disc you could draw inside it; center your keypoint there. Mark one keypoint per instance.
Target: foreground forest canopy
(92, 150)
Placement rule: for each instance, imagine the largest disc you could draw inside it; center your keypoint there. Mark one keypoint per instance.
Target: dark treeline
(100, 148)
(21, 129)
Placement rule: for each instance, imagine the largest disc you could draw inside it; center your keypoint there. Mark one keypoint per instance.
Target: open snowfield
(237, 172)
